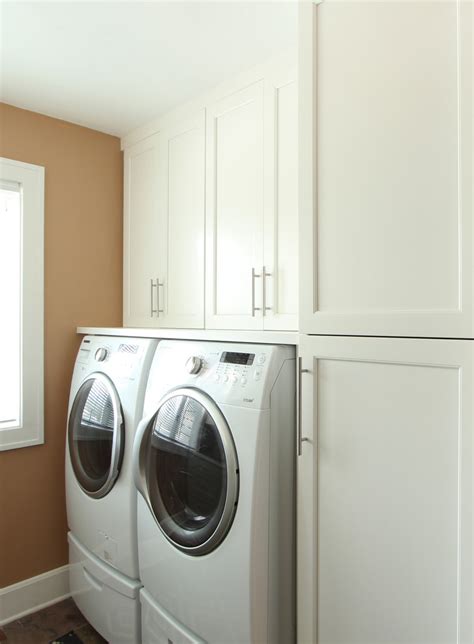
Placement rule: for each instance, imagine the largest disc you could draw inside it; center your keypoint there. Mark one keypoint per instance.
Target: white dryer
(106, 403)
(214, 466)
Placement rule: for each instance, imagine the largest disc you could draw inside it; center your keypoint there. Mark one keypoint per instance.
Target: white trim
(218, 335)
(33, 594)
(30, 429)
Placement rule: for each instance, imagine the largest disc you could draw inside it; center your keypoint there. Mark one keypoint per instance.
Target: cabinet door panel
(385, 501)
(281, 199)
(141, 234)
(234, 209)
(387, 240)
(181, 220)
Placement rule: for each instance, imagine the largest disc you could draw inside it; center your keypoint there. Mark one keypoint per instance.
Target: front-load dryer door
(191, 471)
(96, 435)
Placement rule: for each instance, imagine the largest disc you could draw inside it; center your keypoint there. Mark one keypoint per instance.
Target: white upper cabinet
(141, 232)
(385, 491)
(180, 289)
(211, 200)
(234, 210)
(281, 199)
(251, 205)
(386, 143)
(164, 227)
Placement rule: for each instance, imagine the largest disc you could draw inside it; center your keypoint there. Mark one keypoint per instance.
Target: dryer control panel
(230, 373)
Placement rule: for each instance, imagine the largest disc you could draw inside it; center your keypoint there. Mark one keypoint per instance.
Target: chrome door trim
(118, 439)
(158, 285)
(265, 274)
(152, 286)
(254, 276)
(300, 439)
(232, 468)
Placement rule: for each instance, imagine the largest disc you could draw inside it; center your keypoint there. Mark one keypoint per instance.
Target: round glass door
(191, 471)
(96, 435)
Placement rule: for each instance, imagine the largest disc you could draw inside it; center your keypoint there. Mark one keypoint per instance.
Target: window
(21, 304)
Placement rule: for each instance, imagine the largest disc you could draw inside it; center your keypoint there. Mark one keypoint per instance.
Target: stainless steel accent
(264, 290)
(193, 365)
(232, 490)
(300, 439)
(158, 284)
(115, 459)
(101, 354)
(254, 276)
(152, 286)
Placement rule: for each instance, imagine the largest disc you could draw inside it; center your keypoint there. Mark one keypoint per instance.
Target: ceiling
(113, 66)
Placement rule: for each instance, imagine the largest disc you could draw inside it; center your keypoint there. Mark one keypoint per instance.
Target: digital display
(237, 358)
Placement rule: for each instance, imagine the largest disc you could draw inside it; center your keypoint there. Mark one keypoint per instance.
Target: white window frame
(30, 430)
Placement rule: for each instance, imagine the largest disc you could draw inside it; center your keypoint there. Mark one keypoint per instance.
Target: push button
(261, 358)
(257, 374)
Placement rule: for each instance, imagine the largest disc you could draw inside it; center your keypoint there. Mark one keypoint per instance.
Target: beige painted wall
(83, 286)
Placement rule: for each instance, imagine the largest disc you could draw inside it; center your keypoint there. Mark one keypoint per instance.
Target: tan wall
(83, 286)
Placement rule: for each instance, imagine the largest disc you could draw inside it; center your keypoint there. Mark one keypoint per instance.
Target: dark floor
(49, 623)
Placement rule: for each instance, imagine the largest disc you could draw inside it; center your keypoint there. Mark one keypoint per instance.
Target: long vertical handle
(152, 286)
(158, 309)
(254, 276)
(300, 439)
(265, 308)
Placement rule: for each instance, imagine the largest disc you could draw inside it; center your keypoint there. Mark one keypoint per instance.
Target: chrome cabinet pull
(158, 309)
(152, 286)
(264, 290)
(300, 439)
(254, 276)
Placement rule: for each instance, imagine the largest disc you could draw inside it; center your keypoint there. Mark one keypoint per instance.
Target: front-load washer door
(191, 471)
(96, 435)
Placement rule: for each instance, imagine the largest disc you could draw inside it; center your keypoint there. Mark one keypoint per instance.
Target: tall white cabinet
(386, 151)
(385, 470)
(385, 491)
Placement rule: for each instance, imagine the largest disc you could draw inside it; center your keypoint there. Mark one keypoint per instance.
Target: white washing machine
(106, 403)
(214, 466)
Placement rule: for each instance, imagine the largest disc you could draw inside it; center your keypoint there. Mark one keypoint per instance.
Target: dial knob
(101, 354)
(193, 364)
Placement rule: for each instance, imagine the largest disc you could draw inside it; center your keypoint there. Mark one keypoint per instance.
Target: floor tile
(89, 636)
(61, 618)
(45, 625)
(17, 634)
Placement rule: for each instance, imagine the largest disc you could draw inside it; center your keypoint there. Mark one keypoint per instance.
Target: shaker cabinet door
(385, 491)
(234, 210)
(141, 232)
(386, 146)
(280, 271)
(181, 188)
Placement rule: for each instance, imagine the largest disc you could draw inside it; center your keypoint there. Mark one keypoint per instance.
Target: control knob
(193, 365)
(101, 354)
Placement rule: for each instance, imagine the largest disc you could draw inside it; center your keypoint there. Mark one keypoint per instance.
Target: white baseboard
(33, 594)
